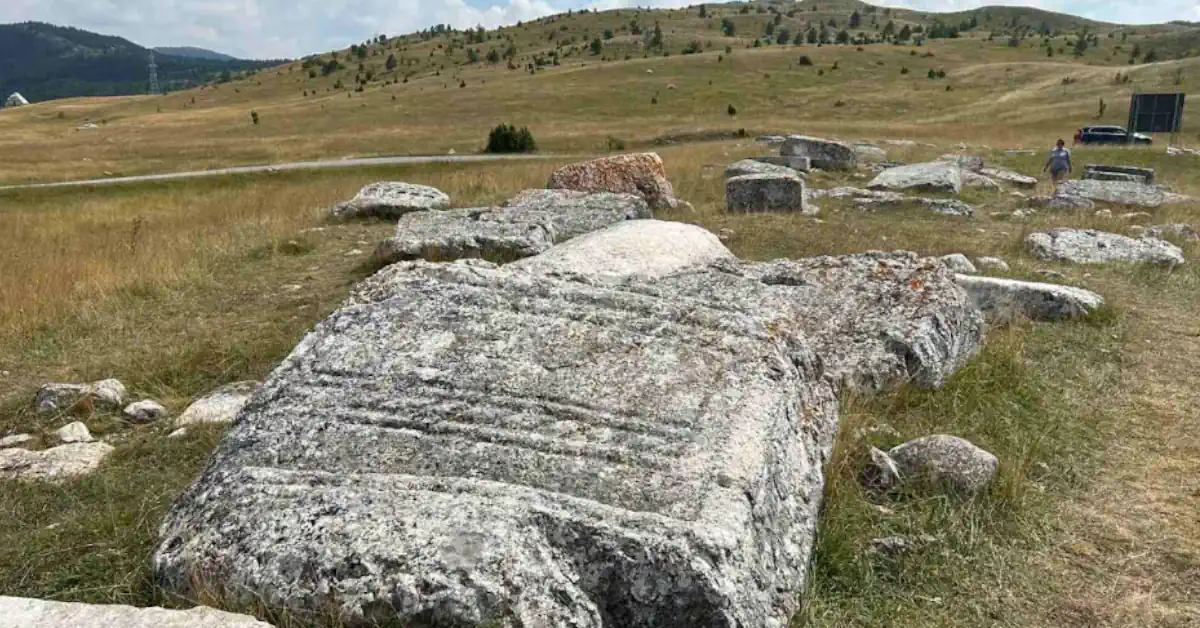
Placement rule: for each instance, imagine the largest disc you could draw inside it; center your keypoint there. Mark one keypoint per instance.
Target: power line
(153, 75)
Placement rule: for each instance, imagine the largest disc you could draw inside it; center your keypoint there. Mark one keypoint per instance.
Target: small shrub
(615, 143)
(654, 100)
(835, 65)
(732, 110)
(820, 72)
(904, 70)
(254, 117)
(839, 104)
(804, 60)
(509, 139)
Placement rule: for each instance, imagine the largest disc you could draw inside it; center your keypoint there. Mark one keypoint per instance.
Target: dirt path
(300, 165)
(1132, 556)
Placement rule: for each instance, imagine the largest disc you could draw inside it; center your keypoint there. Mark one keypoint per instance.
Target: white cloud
(292, 28)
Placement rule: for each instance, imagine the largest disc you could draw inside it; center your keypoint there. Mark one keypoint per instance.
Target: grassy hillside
(44, 62)
(442, 92)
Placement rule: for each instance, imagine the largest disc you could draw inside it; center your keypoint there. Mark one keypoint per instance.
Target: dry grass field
(176, 288)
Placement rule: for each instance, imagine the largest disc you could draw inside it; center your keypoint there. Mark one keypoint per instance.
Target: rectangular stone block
(765, 193)
(463, 444)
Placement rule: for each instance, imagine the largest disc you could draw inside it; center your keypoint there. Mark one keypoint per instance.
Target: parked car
(1110, 135)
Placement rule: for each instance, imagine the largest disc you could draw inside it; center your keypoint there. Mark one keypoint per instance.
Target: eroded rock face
(463, 444)
(638, 249)
(58, 464)
(945, 459)
(1088, 246)
(27, 613)
(822, 153)
(1006, 300)
(640, 174)
(532, 223)
(108, 393)
(869, 153)
(391, 200)
(957, 262)
(973, 179)
(753, 166)
(765, 192)
(931, 177)
(219, 406)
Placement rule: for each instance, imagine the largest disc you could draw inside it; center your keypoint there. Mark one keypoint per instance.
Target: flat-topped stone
(1006, 300)
(220, 405)
(799, 164)
(464, 444)
(1116, 192)
(1133, 174)
(57, 464)
(1088, 246)
(533, 224)
(765, 192)
(930, 177)
(638, 249)
(29, 613)
(391, 199)
(822, 153)
(1010, 177)
(753, 166)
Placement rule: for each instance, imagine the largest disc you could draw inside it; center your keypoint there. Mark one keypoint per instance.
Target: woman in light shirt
(1059, 163)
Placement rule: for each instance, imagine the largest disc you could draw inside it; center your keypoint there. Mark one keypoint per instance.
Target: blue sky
(292, 28)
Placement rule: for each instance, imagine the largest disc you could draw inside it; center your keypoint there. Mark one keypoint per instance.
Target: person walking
(1059, 163)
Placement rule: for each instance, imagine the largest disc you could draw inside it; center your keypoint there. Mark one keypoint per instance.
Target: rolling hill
(191, 52)
(46, 62)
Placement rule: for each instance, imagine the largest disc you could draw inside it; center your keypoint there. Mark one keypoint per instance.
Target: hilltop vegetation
(44, 62)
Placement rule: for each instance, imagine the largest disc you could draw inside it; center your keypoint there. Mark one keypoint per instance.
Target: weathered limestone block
(391, 200)
(28, 613)
(822, 153)
(1088, 246)
(765, 192)
(641, 174)
(1005, 300)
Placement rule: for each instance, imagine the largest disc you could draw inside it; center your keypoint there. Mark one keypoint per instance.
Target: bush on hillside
(509, 139)
(804, 60)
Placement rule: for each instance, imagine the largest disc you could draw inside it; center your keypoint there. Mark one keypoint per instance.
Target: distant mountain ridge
(191, 52)
(45, 62)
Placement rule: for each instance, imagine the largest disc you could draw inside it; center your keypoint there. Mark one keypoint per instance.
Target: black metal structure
(1156, 113)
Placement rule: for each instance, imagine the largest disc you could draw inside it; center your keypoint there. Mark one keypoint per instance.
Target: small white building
(16, 100)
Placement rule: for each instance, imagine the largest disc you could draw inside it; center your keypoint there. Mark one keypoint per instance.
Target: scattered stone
(975, 180)
(1116, 192)
(992, 263)
(391, 200)
(1062, 202)
(1176, 151)
(870, 153)
(531, 224)
(353, 252)
(969, 163)
(640, 174)
(1132, 216)
(948, 207)
(896, 545)
(639, 249)
(24, 612)
(771, 140)
(949, 459)
(958, 263)
(1005, 300)
(63, 397)
(15, 440)
(930, 177)
(726, 234)
(1179, 231)
(57, 464)
(75, 432)
(487, 433)
(145, 411)
(1049, 275)
(1130, 174)
(179, 433)
(752, 166)
(824, 154)
(765, 192)
(1104, 214)
(799, 164)
(219, 406)
(1088, 246)
(1010, 177)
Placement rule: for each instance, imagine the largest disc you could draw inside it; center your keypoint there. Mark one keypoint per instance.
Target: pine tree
(855, 20)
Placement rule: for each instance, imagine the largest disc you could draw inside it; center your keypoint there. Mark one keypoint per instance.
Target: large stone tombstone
(463, 443)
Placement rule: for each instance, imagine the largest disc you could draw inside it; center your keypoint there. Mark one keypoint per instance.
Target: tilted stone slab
(1088, 246)
(1116, 192)
(765, 192)
(391, 199)
(1006, 300)
(822, 153)
(29, 613)
(930, 177)
(539, 221)
(465, 444)
(638, 249)
(1118, 173)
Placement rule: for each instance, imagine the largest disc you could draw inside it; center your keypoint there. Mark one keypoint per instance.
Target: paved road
(300, 165)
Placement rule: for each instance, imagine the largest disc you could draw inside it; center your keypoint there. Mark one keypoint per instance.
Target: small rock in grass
(1132, 216)
(75, 432)
(15, 440)
(949, 459)
(959, 263)
(1104, 214)
(895, 545)
(882, 472)
(57, 464)
(145, 411)
(62, 397)
(179, 433)
(219, 406)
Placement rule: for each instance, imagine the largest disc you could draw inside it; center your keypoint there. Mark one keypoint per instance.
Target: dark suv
(1111, 135)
